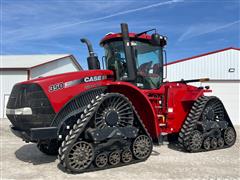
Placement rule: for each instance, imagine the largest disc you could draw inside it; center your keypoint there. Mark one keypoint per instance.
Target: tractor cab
(137, 58)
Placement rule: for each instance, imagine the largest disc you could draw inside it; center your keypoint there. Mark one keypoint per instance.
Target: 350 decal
(56, 87)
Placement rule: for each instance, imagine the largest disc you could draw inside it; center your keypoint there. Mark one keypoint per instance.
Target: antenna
(145, 32)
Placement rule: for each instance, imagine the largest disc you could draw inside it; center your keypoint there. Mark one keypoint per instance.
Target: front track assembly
(109, 133)
(207, 127)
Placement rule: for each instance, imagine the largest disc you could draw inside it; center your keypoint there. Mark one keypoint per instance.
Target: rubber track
(81, 123)
(78, 128)
(191, 121)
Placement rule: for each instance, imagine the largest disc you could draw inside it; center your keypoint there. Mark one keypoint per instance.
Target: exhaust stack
(130, 58)
(93, 62)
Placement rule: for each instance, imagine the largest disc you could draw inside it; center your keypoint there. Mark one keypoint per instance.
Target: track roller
(207, 143)
(114, 157)
(214, 143)
(101, 160)
(220, 142)
(126, 156)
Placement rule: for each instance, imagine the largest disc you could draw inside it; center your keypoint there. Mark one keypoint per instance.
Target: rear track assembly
(207, 127)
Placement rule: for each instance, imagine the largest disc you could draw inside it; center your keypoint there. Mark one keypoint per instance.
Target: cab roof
(118, 36)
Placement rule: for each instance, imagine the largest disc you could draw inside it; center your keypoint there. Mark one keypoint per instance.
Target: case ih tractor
(99, 119)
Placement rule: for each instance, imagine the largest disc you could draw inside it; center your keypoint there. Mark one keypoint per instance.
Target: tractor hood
(71, 76)
(62, 87)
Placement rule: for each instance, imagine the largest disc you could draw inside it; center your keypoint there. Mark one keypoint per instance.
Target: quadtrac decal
(62, 85)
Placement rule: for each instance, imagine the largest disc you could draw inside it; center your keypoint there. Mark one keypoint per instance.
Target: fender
(141, 103)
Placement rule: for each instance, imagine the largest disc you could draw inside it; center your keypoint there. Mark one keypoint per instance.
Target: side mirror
(155, 39)
(158, 40)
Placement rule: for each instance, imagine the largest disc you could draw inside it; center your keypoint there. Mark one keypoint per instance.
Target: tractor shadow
(176, 147)
(155, 153)
(173, 143)
(29, 153)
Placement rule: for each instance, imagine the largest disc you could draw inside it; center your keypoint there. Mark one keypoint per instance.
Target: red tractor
(100, 119)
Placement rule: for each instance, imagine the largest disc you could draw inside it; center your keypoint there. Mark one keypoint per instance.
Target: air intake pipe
(93, 62)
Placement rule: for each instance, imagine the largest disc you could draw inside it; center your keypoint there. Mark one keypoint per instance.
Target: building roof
(31, 61)
(201, 55)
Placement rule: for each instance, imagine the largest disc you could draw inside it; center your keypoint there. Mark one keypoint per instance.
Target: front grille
(30, 95)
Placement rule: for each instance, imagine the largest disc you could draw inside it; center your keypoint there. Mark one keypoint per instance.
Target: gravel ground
(23, 161)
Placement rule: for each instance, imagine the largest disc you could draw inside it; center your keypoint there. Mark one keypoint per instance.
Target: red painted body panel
(176, 96)
(168, 105)
(60, 97)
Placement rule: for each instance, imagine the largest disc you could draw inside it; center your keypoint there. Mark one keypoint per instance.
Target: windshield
(148, 62)
(115, 58)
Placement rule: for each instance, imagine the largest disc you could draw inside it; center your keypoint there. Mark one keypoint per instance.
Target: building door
(6, 97)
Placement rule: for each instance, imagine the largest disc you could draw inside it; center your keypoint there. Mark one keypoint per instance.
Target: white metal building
(222, 67)
(18, 68)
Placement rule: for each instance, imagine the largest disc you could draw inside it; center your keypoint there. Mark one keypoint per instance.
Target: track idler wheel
(79, 156)
(195, 141)
(101, 160)
(142, 147)
(126, 156)
(114, 158)
(229, 136)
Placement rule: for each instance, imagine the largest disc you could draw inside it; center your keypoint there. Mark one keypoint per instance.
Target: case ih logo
(94, 78)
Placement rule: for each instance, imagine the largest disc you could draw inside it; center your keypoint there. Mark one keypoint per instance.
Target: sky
(56, 26)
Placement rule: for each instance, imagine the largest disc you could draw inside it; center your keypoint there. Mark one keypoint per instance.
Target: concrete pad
(24, 161)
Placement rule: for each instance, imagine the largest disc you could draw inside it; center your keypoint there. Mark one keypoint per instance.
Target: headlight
(19, 111)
